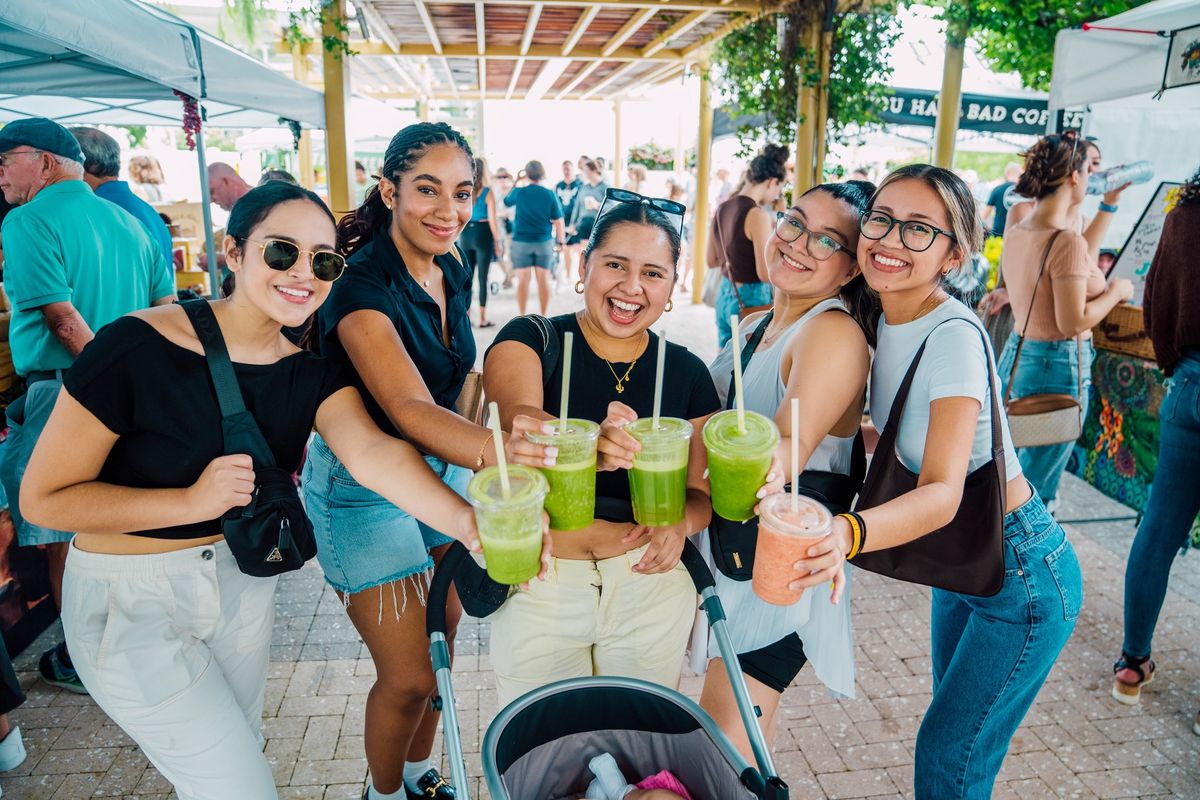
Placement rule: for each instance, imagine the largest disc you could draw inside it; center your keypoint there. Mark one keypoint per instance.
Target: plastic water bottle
(1114, 177)
(1011, 198)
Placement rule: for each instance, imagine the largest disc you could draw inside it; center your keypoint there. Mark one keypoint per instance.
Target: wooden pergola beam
(482, 78)
(732, 6)
(516, 76)
(682, 26)
(581, 26)
(480, 30)
(630, 27)
(430, 28)
(540, 51)
(608, 79)
(535, 12)
(579, 78)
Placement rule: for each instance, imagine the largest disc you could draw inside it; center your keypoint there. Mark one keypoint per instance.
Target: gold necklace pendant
(621, 380)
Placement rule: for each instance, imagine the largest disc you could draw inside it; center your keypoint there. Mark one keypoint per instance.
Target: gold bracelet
(482, 449)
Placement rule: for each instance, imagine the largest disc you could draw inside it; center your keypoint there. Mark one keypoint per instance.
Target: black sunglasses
(282, 255)
(657, 203)
(915, 235)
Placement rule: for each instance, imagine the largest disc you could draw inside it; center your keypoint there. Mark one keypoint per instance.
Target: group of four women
(172, 640)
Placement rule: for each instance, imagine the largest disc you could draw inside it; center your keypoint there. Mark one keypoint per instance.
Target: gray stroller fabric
(559, 770)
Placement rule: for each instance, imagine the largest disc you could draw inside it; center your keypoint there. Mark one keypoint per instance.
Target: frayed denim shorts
(364, 541)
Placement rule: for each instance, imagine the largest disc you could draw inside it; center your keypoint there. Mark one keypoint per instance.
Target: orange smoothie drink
(784, 537)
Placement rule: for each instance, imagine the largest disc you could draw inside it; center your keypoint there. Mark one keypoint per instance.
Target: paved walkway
(1075, 743)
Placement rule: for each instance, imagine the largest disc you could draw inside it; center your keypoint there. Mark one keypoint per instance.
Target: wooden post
(300, 72)
(950, 98)
(617, 155)
(339, 147)
(825, 63)
(703, 172)
(807, 113)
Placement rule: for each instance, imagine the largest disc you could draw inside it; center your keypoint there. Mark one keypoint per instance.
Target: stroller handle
(439, 588)
(694, 562)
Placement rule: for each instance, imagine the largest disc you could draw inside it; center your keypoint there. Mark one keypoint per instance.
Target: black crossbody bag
(733, 543)
(271, 535)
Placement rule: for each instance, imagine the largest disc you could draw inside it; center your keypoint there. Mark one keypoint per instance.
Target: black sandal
(1131, 693)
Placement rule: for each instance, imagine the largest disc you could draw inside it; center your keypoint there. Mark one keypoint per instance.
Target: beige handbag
(1037, 420)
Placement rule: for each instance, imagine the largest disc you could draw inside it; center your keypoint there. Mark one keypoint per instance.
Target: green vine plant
(761, 67)
(315, 14)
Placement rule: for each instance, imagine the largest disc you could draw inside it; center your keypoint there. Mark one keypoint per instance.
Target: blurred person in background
(502, 184)
(481, 238)
(225, 185)
(635, 178)
(277, 175)
(537, 234)
(147, 180)
(995, 213)
(567, 191)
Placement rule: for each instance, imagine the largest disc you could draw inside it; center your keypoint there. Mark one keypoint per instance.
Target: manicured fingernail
(549, 462)
(551, 451)
(548, 428)
(761, 494)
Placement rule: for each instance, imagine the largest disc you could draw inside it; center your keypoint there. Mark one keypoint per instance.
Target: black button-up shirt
(377, 279)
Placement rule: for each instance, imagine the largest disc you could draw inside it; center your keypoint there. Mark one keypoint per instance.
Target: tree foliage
(1018, 35)
(761, 67)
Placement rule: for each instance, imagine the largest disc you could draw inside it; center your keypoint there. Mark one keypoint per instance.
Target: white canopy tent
(1116, 76)
(119, 62)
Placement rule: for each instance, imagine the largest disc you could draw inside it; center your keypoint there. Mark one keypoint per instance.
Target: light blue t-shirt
(537, 208)
(67, 244)
(119, 192)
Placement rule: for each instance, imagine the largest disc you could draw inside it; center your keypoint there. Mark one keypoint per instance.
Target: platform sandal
(1131, 693)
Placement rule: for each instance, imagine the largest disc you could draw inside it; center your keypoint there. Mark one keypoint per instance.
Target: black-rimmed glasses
(281, 255)
(657, 203)
(915, 235)
(819, 246)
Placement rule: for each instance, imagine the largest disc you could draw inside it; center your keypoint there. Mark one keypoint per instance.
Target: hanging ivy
(315, 14)
(761, 67)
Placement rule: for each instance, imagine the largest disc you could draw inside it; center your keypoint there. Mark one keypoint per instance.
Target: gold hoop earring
(578, 287)
(670, 305)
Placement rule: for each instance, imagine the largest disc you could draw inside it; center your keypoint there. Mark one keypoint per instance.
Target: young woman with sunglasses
(400, 322)
(814, 347)
(169, 636)
(990, 655)
(1071, 297)
(616, 600)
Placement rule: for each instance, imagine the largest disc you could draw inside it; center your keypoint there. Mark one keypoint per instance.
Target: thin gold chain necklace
(621, 380)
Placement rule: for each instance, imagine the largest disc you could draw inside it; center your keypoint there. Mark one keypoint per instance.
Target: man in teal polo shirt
(73, 263)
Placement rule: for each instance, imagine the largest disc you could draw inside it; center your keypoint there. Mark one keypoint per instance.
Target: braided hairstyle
(358, 228)
(1050, 162)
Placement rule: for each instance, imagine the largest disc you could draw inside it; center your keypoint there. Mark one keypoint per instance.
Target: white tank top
(824, 628)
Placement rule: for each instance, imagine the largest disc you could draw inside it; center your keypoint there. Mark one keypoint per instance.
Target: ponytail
(358, 227)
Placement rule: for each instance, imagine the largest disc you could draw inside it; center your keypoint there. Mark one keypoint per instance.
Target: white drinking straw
(737, 373)
(498, 441)
(568, 341)
(795, 454)
(658, 376)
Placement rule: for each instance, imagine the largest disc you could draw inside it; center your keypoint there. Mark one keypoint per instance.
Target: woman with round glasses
(617, 601)
(989, 655)
(812, 345)
(1072, 295)
(169, 636)
(740, 230)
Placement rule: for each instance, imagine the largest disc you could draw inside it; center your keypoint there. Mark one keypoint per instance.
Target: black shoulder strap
(551, 346)
(748, 352)
(239, 430)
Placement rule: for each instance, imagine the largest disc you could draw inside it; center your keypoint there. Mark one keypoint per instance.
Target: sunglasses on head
(282, 255)
(657, 203)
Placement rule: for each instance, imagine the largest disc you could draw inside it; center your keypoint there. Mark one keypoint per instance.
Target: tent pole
(214, 270)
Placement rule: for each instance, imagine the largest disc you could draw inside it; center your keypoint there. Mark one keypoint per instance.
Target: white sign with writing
(1133, 261)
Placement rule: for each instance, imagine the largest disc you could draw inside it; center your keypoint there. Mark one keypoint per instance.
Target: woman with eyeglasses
(740, 230)
(169, 636)
(399, 321)
(616, 600)
(812, 345)
(989, 655)
(1072, 295)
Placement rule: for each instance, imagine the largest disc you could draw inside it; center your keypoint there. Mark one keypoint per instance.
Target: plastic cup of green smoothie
(738, 462)
(658, 480)
(571, 502)
(510, 528)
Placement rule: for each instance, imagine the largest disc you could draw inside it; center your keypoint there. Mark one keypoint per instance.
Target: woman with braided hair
(1072, 294)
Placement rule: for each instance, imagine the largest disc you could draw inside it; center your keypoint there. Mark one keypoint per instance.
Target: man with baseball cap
(73, 263)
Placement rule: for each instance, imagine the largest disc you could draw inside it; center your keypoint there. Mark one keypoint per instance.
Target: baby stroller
(538, 747)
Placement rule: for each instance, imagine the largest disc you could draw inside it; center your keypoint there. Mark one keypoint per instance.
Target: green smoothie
(510, 528)
(738, 462)
(658, 480)
(571, 502)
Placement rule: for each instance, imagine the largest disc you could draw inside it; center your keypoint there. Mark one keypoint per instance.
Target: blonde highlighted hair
(960, 205)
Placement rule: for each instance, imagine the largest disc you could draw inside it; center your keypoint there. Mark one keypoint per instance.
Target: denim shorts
(533, 254)
(364, 541)
(27, 417)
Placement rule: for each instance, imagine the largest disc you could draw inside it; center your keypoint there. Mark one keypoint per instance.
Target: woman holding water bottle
(811, 346)
(616, 600)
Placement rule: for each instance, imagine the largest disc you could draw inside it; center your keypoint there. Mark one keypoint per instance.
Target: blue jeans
(753, 294)
(27, 417)
(363, 541)
(991, 655)
(1046, 368)
(1172, 507)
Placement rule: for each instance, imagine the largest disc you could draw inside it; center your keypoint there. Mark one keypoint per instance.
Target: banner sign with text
(980, 112)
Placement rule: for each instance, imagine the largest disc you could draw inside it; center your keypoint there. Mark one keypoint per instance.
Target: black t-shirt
(996, 201)
(688, 392)
(158, 397)
(377, 279)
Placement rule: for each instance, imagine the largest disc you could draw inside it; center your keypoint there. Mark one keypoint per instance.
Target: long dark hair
(255, 206)
(860, 299)
(407, 147)
(637, 214)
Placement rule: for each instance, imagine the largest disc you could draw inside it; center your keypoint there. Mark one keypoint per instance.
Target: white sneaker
(12, 750)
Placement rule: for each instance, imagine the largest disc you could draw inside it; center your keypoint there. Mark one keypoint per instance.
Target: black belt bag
(272, 534)
(733, 543)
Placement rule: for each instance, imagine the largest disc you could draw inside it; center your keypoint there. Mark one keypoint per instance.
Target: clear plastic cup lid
(525, 485)
(809, 519)
(667, 429)
(721, 433)
(580, 428)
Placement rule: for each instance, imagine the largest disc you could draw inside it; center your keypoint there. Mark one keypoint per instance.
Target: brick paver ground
(1075, 743)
